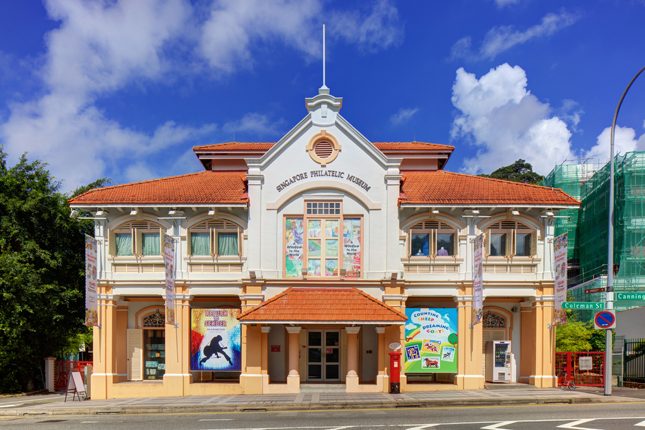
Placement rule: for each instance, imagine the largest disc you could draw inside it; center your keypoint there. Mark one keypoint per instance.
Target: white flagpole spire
(324, 87)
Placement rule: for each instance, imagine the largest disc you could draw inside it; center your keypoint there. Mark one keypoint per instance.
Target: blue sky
(125, 89)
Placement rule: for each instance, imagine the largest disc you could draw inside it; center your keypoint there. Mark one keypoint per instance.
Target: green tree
(41, 271)
(520, 171)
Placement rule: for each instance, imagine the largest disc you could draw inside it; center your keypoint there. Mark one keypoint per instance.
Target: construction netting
(567, 177)
(588, 227)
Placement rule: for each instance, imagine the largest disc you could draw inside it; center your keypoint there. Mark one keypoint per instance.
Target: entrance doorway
(323, 355)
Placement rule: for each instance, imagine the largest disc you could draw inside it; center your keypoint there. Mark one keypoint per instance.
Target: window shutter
(189, 245)
(135, 354)
(239, 242)
(138, 245)
(161, 241)
(510, 242)
(487, 244)
(433, 243)
(111, 243)
(534, 244)
(409, 243)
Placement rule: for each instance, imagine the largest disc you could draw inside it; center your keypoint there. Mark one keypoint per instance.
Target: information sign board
(628, 297)
(594, 290)
(585, 363)
(605, 320)
(583, 305)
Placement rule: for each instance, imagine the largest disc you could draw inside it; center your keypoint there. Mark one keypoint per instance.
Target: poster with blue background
(215, 339)
(431, 340)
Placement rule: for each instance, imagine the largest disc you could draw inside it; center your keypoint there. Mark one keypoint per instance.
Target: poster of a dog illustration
(215, 340)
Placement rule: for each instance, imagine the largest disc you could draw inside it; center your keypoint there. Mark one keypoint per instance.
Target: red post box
(395, 372)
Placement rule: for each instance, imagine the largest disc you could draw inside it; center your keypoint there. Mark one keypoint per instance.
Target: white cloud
(624, 141)
(571, 113)
(501, 38)
(403, 116)
(255, 123)
(234, 27)
(102, 47)
(505, 122)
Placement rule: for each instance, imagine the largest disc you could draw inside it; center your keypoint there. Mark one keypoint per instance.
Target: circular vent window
(323, 148)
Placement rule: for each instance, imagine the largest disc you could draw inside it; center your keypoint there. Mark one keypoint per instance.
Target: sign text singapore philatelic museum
(323, 173)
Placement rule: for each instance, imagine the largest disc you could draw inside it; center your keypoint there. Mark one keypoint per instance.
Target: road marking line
(423, 427)
(574, 425)
(7, 406)
(498, 425)
(641, 424)
(217, 419)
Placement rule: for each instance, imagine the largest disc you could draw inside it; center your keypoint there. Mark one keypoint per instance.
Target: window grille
(155, 320)
(494, 321)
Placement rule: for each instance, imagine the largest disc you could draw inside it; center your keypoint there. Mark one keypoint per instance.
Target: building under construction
(588, 227)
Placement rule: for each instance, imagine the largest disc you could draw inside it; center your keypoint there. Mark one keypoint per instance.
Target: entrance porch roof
(349, 306)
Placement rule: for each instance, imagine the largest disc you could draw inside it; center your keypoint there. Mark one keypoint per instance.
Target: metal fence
(62, 369)
(634, 360)
(583, 368)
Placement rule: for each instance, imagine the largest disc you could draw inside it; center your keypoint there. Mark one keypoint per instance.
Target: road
(593, 416)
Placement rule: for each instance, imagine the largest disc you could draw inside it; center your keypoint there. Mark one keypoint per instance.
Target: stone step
(504, 386)
(322, 388)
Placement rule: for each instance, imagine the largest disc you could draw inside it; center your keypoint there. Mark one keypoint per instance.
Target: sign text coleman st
(583, 305)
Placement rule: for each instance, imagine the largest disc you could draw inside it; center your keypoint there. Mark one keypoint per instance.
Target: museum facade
(303, 262)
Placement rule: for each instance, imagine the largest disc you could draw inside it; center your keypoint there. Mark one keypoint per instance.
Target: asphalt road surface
(592, 416)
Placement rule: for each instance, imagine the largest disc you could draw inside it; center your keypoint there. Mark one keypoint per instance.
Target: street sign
(605, 320)
(628, 297)
(594, 290)
(585, 363)
(583, 305)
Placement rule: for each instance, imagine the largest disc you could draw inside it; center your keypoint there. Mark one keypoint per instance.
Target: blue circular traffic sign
(605, 319)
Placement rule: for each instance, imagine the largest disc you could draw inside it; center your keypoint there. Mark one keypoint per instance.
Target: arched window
(510, 238)
(215, 237)
(140, 238)
(432, 238)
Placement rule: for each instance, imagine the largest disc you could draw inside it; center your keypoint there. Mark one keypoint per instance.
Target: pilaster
(469, 357)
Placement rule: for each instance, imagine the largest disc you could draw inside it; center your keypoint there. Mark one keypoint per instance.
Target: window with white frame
(510, 239)
(136, 238)
(215, 237)
(432, 238)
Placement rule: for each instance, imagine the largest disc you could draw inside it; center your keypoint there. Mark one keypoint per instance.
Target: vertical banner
(91, 302)
(560, 262)
(294, 232)
(431, 340)
(478, 287)
(169, 263)
(215, 340)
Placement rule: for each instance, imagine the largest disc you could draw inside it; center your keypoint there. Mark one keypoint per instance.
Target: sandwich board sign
(75, 386)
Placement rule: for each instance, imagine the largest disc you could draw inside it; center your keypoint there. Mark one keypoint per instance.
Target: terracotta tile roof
(443, 187)
(263, 147)
(195, 188)
(236, 146)
(324, 305)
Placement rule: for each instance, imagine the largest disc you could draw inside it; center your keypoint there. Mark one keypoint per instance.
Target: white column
(255, 180)
(393, 260)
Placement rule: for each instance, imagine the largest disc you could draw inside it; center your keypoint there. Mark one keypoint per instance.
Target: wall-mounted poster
(560, 262)
(431, 340)
(478, 282)
(91, 303)
(293, 258)
(352, 247)
(215, 339)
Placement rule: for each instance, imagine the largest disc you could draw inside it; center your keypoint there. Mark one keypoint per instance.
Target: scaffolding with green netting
(567, 177)
(588, 235)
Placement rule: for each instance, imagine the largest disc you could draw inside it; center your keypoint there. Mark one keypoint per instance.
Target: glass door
(332, 355)
(314, 355)
(323, 355)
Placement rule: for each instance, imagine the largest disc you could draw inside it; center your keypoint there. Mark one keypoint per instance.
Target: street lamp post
(610, 238)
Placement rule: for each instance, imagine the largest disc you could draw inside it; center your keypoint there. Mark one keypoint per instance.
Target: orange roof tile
(441, 187)
(323, 305)
(195, 188)
(263, 147)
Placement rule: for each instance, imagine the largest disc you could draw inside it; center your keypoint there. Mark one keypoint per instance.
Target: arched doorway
(496, 325)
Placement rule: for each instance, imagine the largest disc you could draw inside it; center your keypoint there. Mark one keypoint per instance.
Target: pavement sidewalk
(54, 405)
